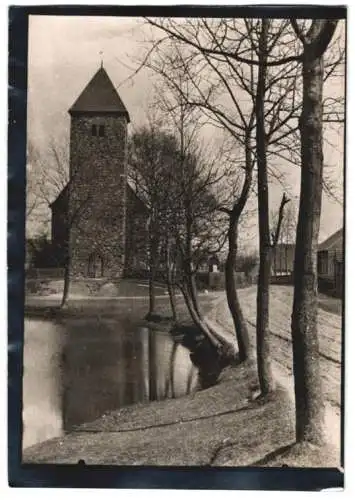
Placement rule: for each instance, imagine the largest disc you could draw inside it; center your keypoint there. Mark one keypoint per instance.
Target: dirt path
(329, 325)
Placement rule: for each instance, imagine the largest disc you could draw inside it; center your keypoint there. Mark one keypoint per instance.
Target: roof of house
(336, 239)
(99, 96)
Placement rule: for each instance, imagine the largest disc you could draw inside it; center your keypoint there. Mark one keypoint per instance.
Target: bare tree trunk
(152, 271)
(153, 363)
(191, 283)
(66, 282)
(210, 356)
(308, 391)
(266, 380)
(224, 348)
(171, 368)
(241, 329)
(308, 387)
(240, 325)
(172, 296)
(170, 283)
(151, 311)
(187, 263)
(197, 319)
(189, 275)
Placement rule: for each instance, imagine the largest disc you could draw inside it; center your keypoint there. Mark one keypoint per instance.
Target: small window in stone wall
(98, 130)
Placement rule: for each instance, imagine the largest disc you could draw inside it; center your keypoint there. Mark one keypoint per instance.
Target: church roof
(139, 193)
(63, 195)
(99, 96)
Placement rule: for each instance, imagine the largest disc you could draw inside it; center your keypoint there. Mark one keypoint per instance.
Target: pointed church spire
(99, 96)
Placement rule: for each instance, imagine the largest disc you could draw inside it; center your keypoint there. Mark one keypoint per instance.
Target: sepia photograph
(184, 241)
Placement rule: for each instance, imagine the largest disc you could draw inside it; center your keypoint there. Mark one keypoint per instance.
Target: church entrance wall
(95, 266)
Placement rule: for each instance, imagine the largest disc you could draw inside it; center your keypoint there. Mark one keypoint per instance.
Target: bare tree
(170, 261)
(218, 57)
(309, 402)
(230, 77)
(200, 182)
(47, 175)
(262, 321)
(197, 225)
(235, 214)
(151, 151)
(176, 184)
(51, 172)
(240, 125)
(33, 199)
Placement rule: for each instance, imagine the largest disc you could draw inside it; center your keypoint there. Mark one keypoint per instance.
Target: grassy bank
(220, 426)
(193, 430)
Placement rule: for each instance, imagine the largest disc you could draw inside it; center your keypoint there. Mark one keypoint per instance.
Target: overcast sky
(64, 53)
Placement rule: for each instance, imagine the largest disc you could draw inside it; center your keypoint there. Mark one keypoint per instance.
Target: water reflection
(77, 370)
(42, 387)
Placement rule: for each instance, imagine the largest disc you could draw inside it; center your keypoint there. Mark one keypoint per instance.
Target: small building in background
(214, 264)
(330, 263)
(283, 259)
(209, 264)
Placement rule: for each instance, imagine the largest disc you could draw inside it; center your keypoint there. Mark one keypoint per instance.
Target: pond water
(78, 369)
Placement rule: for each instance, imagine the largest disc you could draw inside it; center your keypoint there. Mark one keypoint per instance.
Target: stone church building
(97, 218)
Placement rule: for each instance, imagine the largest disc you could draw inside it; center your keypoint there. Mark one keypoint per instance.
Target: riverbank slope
(220, 426)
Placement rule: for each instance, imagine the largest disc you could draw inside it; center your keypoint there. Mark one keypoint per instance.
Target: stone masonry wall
(136, 234)
(97, 193)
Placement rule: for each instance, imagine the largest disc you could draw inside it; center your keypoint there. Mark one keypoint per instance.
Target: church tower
(98, 177)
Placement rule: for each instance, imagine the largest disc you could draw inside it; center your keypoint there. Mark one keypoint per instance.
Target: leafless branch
(275, 235)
